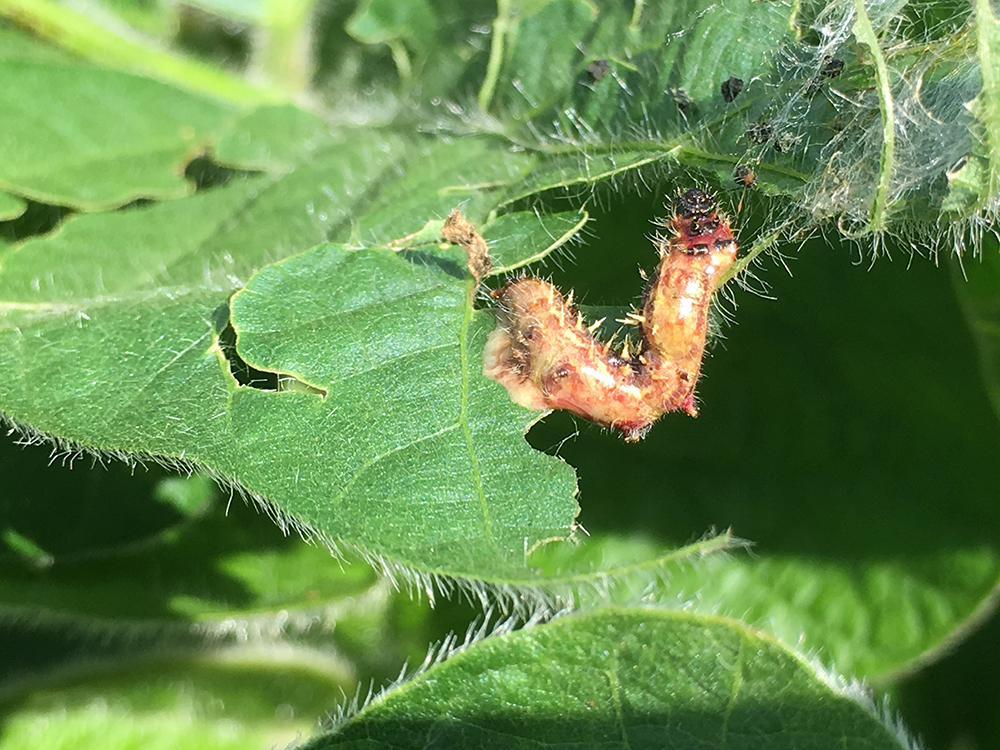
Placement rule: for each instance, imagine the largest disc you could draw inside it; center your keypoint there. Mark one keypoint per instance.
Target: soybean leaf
(841, 132)
(273, 138)
(978, 287)
(10, 206)
(414, 334)
(94, 138)
(105, 40)
(253, 698)
(407, 450)
(150, 548)
(632, 678)
(396, 186)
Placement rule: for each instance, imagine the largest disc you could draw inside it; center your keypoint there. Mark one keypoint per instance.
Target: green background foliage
(227, 258)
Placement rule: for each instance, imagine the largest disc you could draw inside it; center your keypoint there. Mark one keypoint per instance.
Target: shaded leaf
(829, 438)
(977, 285)
(241, 702)
(147, 547)
(631, 678)
(385, 21)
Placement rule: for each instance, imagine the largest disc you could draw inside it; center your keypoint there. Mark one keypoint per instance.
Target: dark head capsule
(694, 202)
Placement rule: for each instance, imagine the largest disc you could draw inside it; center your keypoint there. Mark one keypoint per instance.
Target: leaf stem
(283, 45)
(463, 348)
(865, 33)
(988, 44)
(636, 14)
(501, 27)
(760, 245)
(401, 58)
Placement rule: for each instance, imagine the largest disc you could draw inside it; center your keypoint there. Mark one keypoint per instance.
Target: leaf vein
(373, 461)
(477, 478)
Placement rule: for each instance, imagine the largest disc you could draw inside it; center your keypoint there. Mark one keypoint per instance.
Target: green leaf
(11, 206)
(273, 139)
(385, 21)
(512, 235)
(410, 29)
(112, 328)
(541, 59)
(473, 174)
(120, 302)
(93, 138)
(243, 11)
(409, 431)
(633, 678)
(149, 547)
(411, 334)
(622, 569)
(251, 699)
(660, 97)
(974, 180)
(210, 241)
(987, 110)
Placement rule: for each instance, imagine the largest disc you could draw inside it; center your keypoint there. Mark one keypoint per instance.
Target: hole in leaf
(246, 374)
(213, 37)
(206, 173)
(603, 270)
(37, 219)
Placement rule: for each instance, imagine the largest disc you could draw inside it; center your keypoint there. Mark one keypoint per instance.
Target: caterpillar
(546, 358)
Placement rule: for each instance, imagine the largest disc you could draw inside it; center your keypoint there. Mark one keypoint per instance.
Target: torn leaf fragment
(458, 231)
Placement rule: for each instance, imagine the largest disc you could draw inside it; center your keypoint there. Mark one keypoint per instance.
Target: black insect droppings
(731, 88)
(832, 67)
(597, 69)
(681, 98)
(784, 142)
(760, 132)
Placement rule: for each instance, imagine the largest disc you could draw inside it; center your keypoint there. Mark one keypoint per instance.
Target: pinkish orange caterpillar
(546, 358)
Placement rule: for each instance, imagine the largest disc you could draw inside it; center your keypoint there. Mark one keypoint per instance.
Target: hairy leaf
(627, 678)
